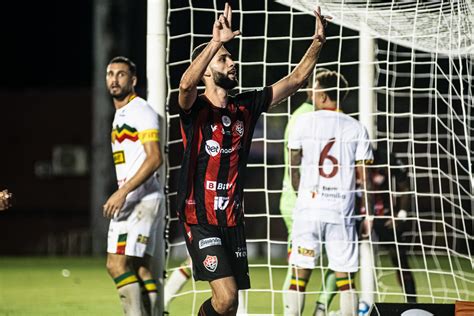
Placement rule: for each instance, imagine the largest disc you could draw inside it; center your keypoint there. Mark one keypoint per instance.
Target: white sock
(131, 299)
(153, 296)
(242, 309)
(367, 284)
(293, 302)
(174, 284)
(349, 303)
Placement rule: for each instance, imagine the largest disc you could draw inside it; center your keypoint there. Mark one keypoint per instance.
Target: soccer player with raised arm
(136, 209)
(217, 132)
(327, 149)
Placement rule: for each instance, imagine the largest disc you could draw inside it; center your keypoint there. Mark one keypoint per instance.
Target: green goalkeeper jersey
(288, 196)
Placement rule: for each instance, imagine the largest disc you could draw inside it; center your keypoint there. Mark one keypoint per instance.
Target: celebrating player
(217, 132)
(5, 200)
(136, 209)
(328, 148)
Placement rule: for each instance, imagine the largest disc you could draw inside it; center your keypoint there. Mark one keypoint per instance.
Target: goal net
(420, 79)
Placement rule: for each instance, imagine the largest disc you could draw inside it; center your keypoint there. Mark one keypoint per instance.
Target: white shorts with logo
(135, 230)
(339, 240)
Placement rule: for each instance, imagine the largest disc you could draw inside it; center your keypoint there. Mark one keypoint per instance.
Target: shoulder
(140, 105)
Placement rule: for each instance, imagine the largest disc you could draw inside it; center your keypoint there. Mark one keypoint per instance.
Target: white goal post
(413, 88)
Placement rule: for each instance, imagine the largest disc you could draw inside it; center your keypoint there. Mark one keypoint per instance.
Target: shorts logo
(209, 242)
(142, 239)
(212, 147)
(239, 128)
(213, 185)
(306, 252)
(241, 252)
(210, 263)
(226, 120)
(221, 203)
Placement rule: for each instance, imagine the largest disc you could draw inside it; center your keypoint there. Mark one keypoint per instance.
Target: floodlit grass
(81, 286)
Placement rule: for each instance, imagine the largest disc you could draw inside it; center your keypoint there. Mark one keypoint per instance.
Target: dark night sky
(51, 44)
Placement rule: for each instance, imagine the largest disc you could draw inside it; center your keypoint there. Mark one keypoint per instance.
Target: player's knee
(226, 302)
(116, 267)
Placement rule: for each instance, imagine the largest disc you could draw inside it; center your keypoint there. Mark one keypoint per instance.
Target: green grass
(37, 286)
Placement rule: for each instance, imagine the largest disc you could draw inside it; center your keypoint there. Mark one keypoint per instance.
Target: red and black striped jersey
(216, 147)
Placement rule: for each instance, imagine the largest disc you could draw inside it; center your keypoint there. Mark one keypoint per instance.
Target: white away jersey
(134, 124)
(331, 143)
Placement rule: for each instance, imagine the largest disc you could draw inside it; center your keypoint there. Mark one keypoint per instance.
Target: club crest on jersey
(212, 147)
(226, 120)
(221, 203)
(210, 263)
(239, 128)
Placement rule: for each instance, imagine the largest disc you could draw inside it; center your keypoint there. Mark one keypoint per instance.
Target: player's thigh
(236, 246)
(342, 247)
(224, 288)
(207, 251)
(306, 243)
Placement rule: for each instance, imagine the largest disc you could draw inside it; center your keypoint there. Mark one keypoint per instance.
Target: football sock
(175, 283)
(129, 293)
(294, 298)
(349, 302)
(152, 292)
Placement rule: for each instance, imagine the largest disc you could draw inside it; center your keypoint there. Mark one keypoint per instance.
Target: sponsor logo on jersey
(210, 263)
(220, 203)
(213, 185)
(226, 120)
(213, 127)
(142, 239)
(119, 157)
(239, 128)
(213, 148)
(306, 252)
(209, 242)
(241, 252)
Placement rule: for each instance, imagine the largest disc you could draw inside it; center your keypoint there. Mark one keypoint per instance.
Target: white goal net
(422, 114)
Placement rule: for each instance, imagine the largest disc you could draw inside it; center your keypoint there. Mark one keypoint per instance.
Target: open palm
(222, 30)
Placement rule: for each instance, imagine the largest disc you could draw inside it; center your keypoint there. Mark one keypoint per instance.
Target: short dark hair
(333, 79)
(198, 50)
(310, 80)
(124, 60)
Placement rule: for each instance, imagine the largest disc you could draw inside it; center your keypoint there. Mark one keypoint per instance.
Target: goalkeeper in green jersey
(288, 200)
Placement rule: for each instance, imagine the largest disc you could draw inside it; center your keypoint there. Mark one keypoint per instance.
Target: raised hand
(321, 23)
(222, 29)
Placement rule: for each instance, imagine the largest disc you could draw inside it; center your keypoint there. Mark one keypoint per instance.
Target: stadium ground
(81, 286)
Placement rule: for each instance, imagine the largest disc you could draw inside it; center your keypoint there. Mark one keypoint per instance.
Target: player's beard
(222, 80)
(121, 94)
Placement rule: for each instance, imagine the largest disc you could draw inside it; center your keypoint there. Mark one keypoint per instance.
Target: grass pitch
(81, 286)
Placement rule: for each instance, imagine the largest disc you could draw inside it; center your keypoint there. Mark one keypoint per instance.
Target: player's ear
(134, 81)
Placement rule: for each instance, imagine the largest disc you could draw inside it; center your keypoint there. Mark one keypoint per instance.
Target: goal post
(410, 71)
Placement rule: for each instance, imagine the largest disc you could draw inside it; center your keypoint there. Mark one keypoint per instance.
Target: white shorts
(134, 232)
(340, 241)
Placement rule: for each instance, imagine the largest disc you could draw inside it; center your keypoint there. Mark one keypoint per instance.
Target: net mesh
(424, 101)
